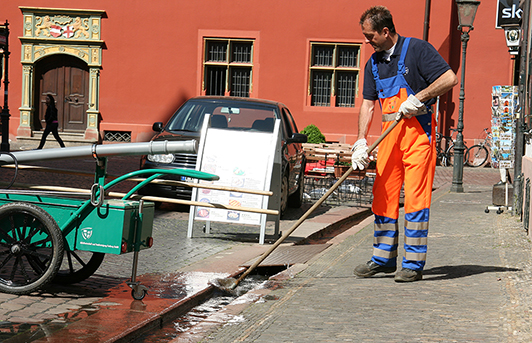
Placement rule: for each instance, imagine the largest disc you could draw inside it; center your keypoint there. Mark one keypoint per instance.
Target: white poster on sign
(241, 159)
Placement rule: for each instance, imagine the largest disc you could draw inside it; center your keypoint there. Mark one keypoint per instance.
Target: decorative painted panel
(51, 31)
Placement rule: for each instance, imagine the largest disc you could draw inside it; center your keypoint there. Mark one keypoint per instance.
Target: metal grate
(352, 192)
(117, 136)
(347, 56)
(185, 161)
(345, 89)
(323, 55)
(217, 51)
(321, 88)
(215, 81)
(240, 81)
(289, 255)
(241, 52)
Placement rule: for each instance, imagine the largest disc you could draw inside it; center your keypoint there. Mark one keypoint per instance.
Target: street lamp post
(4, 115)
(466, 16)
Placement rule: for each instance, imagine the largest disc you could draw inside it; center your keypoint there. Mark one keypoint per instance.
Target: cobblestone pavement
(56, 306)
(476, 285)
(325, 279)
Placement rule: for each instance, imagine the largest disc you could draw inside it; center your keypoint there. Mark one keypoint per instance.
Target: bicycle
(446, 154)
(478, 154)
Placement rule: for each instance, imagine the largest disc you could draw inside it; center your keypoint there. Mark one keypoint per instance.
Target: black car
(254, 115)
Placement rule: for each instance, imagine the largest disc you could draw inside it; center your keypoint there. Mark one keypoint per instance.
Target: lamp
(467, 9)
(512, 33)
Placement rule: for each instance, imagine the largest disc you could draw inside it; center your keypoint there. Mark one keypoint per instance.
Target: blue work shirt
(423, 66)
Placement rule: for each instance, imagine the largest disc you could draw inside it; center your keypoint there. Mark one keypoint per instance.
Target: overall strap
(374, 67)
(401, 63)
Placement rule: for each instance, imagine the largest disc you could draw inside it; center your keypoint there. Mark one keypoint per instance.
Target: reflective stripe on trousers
(386, 240)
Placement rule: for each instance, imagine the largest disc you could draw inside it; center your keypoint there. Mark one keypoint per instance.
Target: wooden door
(66, 78)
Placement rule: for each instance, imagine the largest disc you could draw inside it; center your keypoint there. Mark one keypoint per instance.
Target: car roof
(234, 98)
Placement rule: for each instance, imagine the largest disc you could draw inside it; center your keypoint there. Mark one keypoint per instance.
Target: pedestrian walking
(51, 122)
(405, 75)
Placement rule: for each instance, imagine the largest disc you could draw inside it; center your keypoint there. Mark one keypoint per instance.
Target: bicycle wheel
(450, 155)
(476, 156)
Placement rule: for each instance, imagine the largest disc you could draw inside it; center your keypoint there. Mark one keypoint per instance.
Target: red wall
(152, 57)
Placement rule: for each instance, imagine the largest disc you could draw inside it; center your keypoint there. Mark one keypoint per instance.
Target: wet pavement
(177, 271)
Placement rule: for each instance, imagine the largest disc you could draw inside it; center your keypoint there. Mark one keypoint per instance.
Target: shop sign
(508, 13)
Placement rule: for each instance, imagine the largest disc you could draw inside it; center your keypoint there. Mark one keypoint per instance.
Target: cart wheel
(487, 210)
(31, 248)
(139, 295)
(78, 266)
(499, 211)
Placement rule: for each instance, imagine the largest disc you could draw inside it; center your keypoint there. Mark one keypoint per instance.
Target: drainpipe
(427, 21)
(426, 26)
(520, 125)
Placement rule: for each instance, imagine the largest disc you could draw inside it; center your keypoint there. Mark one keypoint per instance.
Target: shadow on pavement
(455, 272)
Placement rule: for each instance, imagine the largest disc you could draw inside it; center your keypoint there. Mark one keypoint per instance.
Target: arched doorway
(66, 78)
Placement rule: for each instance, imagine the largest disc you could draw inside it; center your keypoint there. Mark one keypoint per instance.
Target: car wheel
(284, 193)
(296, 200)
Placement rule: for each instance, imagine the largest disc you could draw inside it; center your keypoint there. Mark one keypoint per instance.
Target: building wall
(152, 58)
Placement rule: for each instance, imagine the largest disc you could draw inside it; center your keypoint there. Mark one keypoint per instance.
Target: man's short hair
(379, 17)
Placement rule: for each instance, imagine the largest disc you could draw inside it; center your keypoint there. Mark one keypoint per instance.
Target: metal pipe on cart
(96, 151)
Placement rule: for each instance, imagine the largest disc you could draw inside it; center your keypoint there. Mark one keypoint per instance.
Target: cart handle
(157, 173)
(97, 195)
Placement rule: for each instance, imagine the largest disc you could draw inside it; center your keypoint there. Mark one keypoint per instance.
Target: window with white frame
(228, 66)
(334, 73)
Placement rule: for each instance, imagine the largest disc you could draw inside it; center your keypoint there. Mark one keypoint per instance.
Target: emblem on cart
(86, 233)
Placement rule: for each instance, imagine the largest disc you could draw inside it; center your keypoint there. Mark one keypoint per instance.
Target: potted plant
(314, 134)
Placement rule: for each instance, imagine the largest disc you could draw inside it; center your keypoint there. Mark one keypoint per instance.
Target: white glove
(360, 158)
(410, 107)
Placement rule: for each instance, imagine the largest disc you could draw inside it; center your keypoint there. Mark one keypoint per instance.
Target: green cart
(40, 229)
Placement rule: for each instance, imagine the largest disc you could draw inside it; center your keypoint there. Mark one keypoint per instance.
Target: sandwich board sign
(242, 159)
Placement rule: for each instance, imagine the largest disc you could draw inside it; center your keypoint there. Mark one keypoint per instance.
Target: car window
(232, 115)
(188, 118)
(244, 118)
(291, 120)
(289, 130)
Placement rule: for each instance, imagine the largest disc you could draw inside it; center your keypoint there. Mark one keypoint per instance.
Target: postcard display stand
(241, 159)
(505, 108)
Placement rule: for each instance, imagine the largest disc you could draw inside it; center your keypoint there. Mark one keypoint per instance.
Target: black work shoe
(408, 275)
(371, 268)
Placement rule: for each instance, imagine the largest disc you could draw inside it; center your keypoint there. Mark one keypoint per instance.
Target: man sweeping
(404, 75)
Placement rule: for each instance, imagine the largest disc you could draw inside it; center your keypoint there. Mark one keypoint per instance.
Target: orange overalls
(406, 155)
